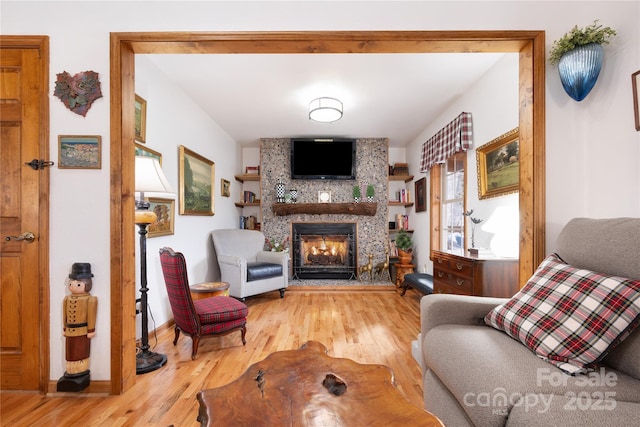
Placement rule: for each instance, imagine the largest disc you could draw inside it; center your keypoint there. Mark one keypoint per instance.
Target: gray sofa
(475, 375)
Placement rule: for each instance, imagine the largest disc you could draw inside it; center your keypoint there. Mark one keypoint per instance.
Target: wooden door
(24, 296)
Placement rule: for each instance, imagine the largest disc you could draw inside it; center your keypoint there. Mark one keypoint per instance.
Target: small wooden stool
(401, 270)
(209, 289)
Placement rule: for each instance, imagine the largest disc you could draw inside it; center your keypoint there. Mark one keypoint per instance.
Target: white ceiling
(267, 95)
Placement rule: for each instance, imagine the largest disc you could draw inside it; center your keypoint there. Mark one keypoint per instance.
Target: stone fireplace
(370, 228)
(324, 250)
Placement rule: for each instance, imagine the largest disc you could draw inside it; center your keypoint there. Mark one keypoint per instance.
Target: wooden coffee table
(306, 387)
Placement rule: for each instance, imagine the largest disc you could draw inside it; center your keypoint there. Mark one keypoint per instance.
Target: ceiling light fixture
(325, 110)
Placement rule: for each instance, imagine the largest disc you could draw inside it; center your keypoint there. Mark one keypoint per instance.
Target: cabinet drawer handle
(460, 282)
(459, 266)
(439, 260)
(440, 274)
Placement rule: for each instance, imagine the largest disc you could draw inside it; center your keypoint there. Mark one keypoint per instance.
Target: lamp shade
(504, 222)
(149, 176)
(325, 110)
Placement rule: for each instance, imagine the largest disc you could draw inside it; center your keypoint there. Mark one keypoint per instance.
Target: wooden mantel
(365, 208)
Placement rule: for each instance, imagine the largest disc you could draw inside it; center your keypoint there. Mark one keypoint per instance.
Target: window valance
(455, 137)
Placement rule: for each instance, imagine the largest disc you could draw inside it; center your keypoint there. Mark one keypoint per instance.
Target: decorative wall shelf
(406, 205)
(365, 208)
(248, 177)
(405, 178)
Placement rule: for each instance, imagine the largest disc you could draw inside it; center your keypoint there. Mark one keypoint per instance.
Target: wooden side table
(209, 289)
(306, 387)
(401, 270)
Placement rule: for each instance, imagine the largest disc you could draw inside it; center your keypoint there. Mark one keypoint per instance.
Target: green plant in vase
(356, 193)
(370, 192)
(579, 55)
(404, 244)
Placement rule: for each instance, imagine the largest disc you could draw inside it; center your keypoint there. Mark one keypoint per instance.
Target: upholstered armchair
(246, 266)
(203, 318)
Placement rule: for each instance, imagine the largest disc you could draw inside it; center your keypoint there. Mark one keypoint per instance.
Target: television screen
(324, 158)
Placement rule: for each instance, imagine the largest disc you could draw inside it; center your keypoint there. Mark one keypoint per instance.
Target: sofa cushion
(262, 270)
(568, 316)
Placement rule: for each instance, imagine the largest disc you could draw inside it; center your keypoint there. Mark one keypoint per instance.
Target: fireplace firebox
(324, 250)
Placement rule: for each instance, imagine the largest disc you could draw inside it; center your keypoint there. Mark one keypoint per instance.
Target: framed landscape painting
(79, 152)
(498, 164)
(196, 175)
(141, 150)
(165, 212)
(141, 119)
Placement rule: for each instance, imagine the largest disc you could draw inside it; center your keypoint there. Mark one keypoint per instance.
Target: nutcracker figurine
(79, 323)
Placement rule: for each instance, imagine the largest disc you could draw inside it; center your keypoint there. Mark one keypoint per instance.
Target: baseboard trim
(320, 288)
(95, 389)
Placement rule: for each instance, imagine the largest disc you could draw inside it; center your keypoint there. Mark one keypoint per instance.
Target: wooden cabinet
(487, 277)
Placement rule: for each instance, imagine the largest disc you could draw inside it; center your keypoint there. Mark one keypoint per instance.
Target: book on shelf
(393, 250)
(248, 197)
(252, 170)
(401, 169)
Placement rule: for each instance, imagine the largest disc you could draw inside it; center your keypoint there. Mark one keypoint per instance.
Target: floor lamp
(149, 178)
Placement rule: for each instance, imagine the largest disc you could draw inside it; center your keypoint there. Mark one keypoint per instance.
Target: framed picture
(196, 175)
(141, 119)
(225, 188)
(324, 196)
(421, 195)
(499, 166)
(635, 84)
(165, 210)
(141, 150)
(79, 151)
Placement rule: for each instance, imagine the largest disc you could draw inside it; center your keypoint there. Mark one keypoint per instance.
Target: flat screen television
(323, 158)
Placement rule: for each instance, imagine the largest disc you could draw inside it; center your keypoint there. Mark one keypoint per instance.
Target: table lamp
(149, 178)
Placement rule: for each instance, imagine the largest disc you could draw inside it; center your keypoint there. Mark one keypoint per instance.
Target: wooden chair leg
(175, 340)
(195, 341)
(243, 331)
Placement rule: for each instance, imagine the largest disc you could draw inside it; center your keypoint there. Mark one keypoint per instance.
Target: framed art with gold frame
(165, 212)
(141, 119)
(635, 86)
(144, 151)
(498, 164)
(225, 188)
(79, 152)
(196, 181)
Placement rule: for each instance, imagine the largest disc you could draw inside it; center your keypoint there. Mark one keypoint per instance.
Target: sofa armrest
(441, 309)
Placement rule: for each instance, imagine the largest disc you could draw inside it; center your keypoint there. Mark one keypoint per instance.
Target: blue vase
(579, 69)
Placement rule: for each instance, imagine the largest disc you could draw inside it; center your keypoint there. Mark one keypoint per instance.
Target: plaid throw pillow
(569, 316)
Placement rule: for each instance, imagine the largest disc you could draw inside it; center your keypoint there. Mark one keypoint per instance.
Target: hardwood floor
(373, 326)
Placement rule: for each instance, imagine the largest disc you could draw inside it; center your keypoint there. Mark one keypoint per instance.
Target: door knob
(27, 237)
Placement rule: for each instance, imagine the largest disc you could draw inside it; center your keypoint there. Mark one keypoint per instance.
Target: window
(453, 178)
(448, 203)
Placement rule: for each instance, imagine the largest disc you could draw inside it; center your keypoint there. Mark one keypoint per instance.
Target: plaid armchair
(213, 316)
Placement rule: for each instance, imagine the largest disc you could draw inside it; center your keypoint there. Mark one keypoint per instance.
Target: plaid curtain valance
(454, 137)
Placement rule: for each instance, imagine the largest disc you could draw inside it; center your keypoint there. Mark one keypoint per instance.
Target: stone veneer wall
(372, 156)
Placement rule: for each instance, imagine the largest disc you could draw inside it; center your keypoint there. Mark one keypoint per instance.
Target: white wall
(493, 104)
(593, 150)
(172, 120)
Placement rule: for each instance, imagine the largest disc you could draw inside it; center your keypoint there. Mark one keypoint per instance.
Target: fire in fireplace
(324, 250)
